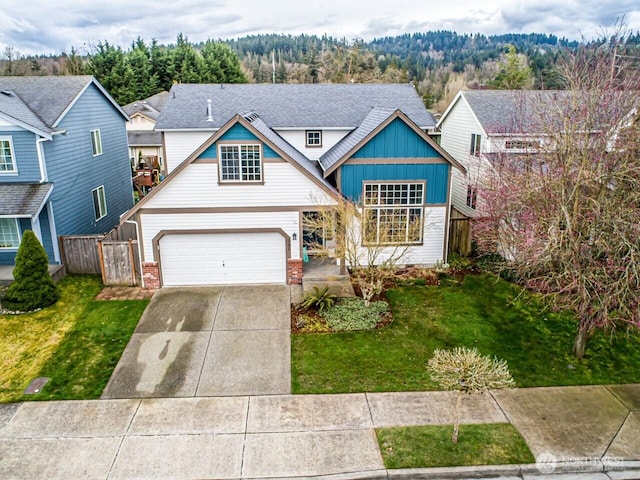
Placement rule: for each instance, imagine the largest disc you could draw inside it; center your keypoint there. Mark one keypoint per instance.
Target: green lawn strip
(484, 312)
(28, 341)
(81, 366)
(431, 446)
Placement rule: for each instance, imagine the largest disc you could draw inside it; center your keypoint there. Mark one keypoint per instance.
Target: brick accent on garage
(151, 275)
(294, 271)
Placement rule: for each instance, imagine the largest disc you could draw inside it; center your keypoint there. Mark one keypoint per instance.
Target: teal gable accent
(397, 140)
(238, 133)
(435, 174)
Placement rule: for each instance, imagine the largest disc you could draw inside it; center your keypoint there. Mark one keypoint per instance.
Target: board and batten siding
(198, 186)
(436, 176)
(396, 140)
(179, 145)
(455, 138)
(25, 155)
(75, 172)
(151, 224)
(298, 140)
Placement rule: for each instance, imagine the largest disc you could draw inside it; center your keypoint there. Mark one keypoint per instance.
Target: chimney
(209, 111)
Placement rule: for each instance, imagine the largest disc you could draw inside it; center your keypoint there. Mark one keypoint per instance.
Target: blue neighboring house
(64, 162)
(246, 164)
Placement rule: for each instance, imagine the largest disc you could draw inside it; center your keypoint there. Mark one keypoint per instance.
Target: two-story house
(480, 127)
(64, 163)
(247, 163)
(144, 142)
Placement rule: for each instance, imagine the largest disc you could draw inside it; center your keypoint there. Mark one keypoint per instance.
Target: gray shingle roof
(374, 119)
(47, 97)
(512, 111)
(23, 199)
(149, 107)
(289, 105)
(12, 106)
(144, 138)
(286, 147)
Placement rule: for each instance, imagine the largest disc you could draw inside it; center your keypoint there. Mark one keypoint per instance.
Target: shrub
(312, 324)
(353, 314)
(33, 287)
(458, 262)
(320, 299)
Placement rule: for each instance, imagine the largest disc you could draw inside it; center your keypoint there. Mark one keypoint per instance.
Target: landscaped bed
(482, 311)
(76, 343)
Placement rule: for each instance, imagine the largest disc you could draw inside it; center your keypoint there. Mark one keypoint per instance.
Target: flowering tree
(566, 217)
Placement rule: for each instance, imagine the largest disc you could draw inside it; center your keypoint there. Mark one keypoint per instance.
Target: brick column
(294, 271)
(151, 275)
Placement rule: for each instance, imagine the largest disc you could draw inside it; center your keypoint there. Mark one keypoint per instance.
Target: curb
(483, 471)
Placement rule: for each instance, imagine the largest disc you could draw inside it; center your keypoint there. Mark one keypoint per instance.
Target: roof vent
(8, 93)
(250, 116)
(209, 111)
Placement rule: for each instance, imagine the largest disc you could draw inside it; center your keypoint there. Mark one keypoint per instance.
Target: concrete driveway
(208, 341)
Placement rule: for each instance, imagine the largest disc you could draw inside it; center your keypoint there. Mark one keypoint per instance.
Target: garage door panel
(219, 258)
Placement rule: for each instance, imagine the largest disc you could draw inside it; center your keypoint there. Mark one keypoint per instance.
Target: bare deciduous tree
(567, 216)
(465, 371)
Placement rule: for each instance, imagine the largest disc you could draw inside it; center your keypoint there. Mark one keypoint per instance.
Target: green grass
(487, 313)
(431, 446)
(76, 342)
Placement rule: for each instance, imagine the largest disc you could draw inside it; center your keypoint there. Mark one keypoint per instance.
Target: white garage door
(223, 258)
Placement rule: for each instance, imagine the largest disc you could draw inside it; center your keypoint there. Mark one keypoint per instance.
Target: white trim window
(314, 138)
(240, 163)
(476, 143)
(99, 202)
(7, 158)
(9, 234)
(472, 196)
(393, 213)
(96, 142)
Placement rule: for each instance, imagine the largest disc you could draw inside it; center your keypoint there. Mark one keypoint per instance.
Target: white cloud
(42, 26)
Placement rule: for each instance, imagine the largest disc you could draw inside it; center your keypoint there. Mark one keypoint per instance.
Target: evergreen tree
(33, 287)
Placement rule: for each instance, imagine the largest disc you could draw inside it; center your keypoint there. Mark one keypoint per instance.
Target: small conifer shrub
(33, 287)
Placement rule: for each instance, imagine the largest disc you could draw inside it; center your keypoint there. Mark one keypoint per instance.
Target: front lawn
(76, 342)
(431, 446)
(484, 312)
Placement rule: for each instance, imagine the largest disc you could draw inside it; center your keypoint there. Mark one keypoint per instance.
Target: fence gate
(119, 262)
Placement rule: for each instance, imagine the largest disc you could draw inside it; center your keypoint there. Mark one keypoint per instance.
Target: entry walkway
(206, 341)
(287, 436)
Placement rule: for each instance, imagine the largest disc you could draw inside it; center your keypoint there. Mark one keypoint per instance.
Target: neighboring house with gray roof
(482, 125)
(246, 164)
(64, 167)
(144, 142)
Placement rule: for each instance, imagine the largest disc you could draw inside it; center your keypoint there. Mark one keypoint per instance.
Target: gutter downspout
(40, 152)
(139, 250)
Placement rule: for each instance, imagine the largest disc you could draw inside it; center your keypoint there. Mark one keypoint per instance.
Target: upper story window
(314, 138)
(476, 141)
(472, 196)
(9, 233)
(96, 142)
(240, 163)
(7, 159)
(99, 202)
(522, 144)
(393, 213)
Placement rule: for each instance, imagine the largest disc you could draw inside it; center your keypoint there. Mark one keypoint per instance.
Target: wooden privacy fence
(460, 235)
(114, 256)
(80, 253)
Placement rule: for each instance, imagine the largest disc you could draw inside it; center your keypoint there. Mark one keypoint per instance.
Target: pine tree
(33, 287)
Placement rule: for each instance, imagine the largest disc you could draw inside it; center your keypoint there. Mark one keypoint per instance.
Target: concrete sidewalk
(283, 436)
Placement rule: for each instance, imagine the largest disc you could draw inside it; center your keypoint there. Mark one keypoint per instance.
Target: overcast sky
(54, 26)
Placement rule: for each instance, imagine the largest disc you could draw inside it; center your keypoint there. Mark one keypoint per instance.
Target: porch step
(341, 288)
